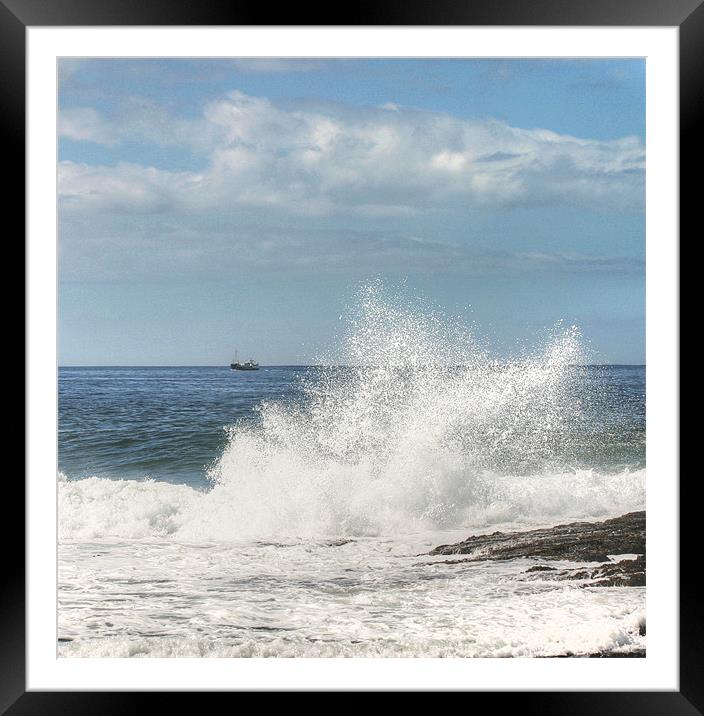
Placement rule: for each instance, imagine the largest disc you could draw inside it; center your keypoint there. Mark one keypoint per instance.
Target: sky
(213, 205)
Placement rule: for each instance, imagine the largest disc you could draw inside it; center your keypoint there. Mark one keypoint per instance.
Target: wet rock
(575, 542)
(633, 654)
(623, 573)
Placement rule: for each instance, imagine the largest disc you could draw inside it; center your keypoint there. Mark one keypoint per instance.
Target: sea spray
(410, 425)
(414, 426)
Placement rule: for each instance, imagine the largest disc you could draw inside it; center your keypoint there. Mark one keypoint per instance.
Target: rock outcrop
(574, 542)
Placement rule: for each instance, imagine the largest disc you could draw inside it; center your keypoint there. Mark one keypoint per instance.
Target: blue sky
(212, 204)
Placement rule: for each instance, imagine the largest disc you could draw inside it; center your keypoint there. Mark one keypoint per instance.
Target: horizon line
(300, 365)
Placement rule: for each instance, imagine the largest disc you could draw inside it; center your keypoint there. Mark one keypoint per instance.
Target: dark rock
(624, 573)
(633, 654)
(540, 568)
(575, 542)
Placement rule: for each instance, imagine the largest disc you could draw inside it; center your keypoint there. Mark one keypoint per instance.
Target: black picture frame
(687, 15)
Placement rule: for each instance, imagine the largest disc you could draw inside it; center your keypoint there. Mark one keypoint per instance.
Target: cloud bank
(324, 160)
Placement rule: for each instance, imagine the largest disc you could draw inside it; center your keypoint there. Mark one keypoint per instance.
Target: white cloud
(85, 124)
(125, 188)
(306, 160)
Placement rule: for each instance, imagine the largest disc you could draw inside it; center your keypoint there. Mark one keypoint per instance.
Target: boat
(247, 365)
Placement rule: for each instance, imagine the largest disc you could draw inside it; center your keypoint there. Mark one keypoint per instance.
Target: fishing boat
(247, 365)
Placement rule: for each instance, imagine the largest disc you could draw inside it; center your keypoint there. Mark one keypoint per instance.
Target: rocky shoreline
(585, 542)
(611, 554)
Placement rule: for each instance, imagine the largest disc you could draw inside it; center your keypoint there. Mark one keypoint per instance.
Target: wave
(422, 430)
(95, 508)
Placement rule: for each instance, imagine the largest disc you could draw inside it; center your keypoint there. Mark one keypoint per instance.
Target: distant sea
(171, 424)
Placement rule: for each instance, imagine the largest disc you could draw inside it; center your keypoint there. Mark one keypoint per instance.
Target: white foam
(101, 508)
(369, 597)
(98, 507)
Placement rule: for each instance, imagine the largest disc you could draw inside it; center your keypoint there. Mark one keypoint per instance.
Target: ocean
(288, 512)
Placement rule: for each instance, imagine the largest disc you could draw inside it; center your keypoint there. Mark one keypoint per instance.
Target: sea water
(288, 511)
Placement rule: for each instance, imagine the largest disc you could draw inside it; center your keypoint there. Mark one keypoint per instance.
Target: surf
(409, 424)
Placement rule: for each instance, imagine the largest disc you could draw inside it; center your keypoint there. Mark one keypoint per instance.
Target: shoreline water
(347, 597)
